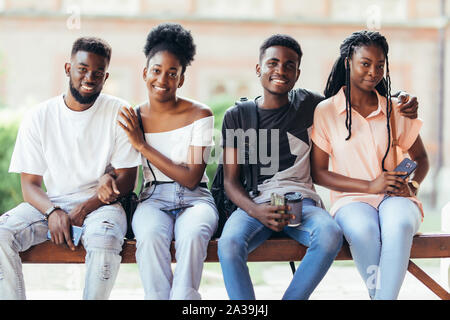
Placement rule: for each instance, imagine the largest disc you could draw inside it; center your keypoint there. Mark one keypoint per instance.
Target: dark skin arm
(59, 221)
(124, 184)
(417, 153)
(265, 213)
(388, 182)
(188, 175)
(108, 189)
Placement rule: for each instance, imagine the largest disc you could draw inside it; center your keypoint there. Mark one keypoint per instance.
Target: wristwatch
(50, 210)
(415, 185)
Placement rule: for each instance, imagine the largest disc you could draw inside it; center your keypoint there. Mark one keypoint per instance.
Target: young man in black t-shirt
(285, 121)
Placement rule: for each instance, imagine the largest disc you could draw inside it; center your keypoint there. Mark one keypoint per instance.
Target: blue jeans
(242, 234)
(380, 242)
(192, 229)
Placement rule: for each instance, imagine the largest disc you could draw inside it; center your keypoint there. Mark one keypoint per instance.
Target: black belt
(151, 183)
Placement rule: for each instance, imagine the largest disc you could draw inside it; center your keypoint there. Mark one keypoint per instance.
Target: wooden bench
(281, 249)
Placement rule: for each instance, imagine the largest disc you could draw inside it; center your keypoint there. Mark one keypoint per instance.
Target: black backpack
(248, 115)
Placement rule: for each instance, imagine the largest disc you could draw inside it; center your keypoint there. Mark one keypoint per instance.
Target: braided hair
(340, 76)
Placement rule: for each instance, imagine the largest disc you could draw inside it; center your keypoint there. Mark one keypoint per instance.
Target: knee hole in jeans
(104, 238)
(106, 272)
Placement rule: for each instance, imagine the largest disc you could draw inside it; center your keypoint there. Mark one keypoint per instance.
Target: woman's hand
(388, 182)
(405, 191)
(132, 128)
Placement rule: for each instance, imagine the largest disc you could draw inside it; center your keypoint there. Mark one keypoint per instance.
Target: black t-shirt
(292, 123)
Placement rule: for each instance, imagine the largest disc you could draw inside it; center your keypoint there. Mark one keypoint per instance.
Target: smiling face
(367, 67)
(87, 73)
(278, 70)
(163, 76)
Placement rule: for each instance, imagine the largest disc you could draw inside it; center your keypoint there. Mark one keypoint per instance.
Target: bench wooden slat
(424, 246)
(281, 249)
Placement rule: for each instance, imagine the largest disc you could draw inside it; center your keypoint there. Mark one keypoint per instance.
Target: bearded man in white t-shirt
(68, 142)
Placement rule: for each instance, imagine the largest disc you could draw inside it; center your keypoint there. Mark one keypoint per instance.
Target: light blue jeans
(155, 229)
(103, 235)
(380, 242)
(242, 234)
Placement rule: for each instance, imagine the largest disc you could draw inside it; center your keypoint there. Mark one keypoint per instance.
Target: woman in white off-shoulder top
(178, 136)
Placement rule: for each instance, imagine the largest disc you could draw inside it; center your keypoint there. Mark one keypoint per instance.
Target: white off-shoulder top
(174, 144)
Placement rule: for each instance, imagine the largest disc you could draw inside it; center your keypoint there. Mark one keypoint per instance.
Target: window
(104, 7)
(236, 8)
(369, 10)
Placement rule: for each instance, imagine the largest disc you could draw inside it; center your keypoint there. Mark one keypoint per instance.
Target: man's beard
(80, 99)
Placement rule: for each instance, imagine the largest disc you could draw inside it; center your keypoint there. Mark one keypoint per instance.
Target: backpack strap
(138, 113)
(248, 114)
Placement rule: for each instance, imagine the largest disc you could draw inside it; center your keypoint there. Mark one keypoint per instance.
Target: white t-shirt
(174, 144)
(71, 149)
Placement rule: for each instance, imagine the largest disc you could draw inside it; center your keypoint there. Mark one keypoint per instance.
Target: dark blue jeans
(242, 234)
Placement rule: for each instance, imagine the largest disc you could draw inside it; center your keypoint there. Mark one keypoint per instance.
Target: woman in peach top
(377, 210)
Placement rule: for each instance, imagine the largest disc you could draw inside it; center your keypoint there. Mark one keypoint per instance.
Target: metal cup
(295, 201)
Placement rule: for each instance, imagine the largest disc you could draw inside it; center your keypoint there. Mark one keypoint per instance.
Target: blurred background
(36, 39)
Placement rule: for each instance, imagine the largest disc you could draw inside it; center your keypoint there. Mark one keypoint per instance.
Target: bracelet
(50, 210)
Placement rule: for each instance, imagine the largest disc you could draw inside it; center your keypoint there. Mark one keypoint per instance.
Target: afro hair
(171, 37)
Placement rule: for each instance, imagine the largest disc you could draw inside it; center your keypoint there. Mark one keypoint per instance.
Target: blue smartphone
(76, 233)
(175, 209)
(407, 165)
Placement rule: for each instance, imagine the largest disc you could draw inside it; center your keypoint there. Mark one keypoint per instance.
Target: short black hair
(171, 37)
(281, 40)
(94, 45)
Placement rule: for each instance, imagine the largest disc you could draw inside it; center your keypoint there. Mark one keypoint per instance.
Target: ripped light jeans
(103, 234)
(192, 229)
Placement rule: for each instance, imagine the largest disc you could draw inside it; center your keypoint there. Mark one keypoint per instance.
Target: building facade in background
(36, 37)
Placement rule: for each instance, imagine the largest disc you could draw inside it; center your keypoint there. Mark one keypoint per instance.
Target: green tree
(219, 105)
(10, 189)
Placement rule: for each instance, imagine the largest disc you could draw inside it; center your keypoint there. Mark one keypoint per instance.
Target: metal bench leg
(292, 264)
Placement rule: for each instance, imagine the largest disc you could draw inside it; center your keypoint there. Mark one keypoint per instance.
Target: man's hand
(59, 226)
(78, 214)
(408, 105)
(269, 216)
(107, 190)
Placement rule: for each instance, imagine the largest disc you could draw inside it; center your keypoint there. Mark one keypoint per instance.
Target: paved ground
(342, 282)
